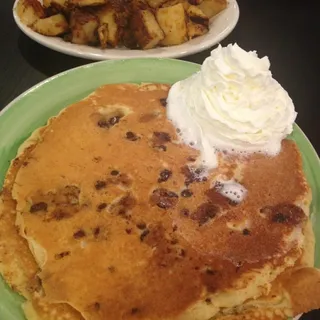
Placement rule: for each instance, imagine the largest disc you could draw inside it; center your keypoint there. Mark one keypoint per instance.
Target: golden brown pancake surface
(124, 224)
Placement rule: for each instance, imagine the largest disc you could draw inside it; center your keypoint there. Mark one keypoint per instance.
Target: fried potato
(109, 31)
(59, 5)
(51, 26)
(128, 39)
(29, 11)
(198, 23)
(111, 23)
(195, 2)
(146, 29)
(212, 7)
(155, 3)
(86, 3)
(103, 34)
(171, 3)
(173, 22)
(84, 27)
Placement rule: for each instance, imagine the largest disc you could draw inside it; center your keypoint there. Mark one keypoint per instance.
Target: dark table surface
(286, 30)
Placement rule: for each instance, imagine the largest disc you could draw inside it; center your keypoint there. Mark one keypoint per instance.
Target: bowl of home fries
(111, 29)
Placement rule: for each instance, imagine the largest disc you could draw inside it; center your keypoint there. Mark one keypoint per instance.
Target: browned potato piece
(155, 3)
(173, 22)
(171, 3)
(198, 23)
(84, 26)
(103, 34)
(52, 26)
(29, 11)
(212, 7)
(58, 4)
(128, 39)
(86, 3)
(110, 34)
(146, 29)
(195, 2)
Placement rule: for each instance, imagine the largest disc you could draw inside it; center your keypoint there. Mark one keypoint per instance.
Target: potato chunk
(212, 7)
(146, 29)
(84, 27)
(198, 23)
(155, 3)
(171, 3)
(29, 11)
(109, 30)
(57, 4)
(173, 22)
(52, 26)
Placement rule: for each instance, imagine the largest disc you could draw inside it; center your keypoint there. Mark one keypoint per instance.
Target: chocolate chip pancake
(124, 222)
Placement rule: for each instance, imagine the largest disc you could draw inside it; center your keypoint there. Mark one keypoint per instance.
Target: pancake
(123, 222)
(17, 264)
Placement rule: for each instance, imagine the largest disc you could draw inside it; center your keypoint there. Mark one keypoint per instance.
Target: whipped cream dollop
(233, 104)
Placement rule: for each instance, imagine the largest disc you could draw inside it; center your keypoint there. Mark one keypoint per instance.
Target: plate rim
(11, 104)
(171, 52)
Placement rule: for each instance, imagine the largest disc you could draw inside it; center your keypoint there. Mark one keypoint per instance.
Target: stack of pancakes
(106, 215)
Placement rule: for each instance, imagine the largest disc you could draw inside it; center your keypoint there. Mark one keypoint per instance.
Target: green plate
(33, 108)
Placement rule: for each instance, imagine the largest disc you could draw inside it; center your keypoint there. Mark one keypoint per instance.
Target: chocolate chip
(163, 102)
(103, 123)
(40, 206)
(141, 225)
(96, 231)
(192, 174)
(207, 301)
(175, 228)
(186, 193)
(191, 159)
(246, 232)
(62, 255)
(114, 172)
(101, 206)
(182, 252)
(164, 198)
(59, 214)
(25, 163)
(100, 184)
(279, 217)
(164, 175)
(185, 212)
(134, 310)
(128, 230)
(114, 120)
(204, 213)
(79, 234)
(285, 213)
(144, 234)
(161, 137)
(210, 272)
(131, 136)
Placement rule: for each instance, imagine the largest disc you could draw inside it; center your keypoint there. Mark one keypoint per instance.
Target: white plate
(220, 27)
